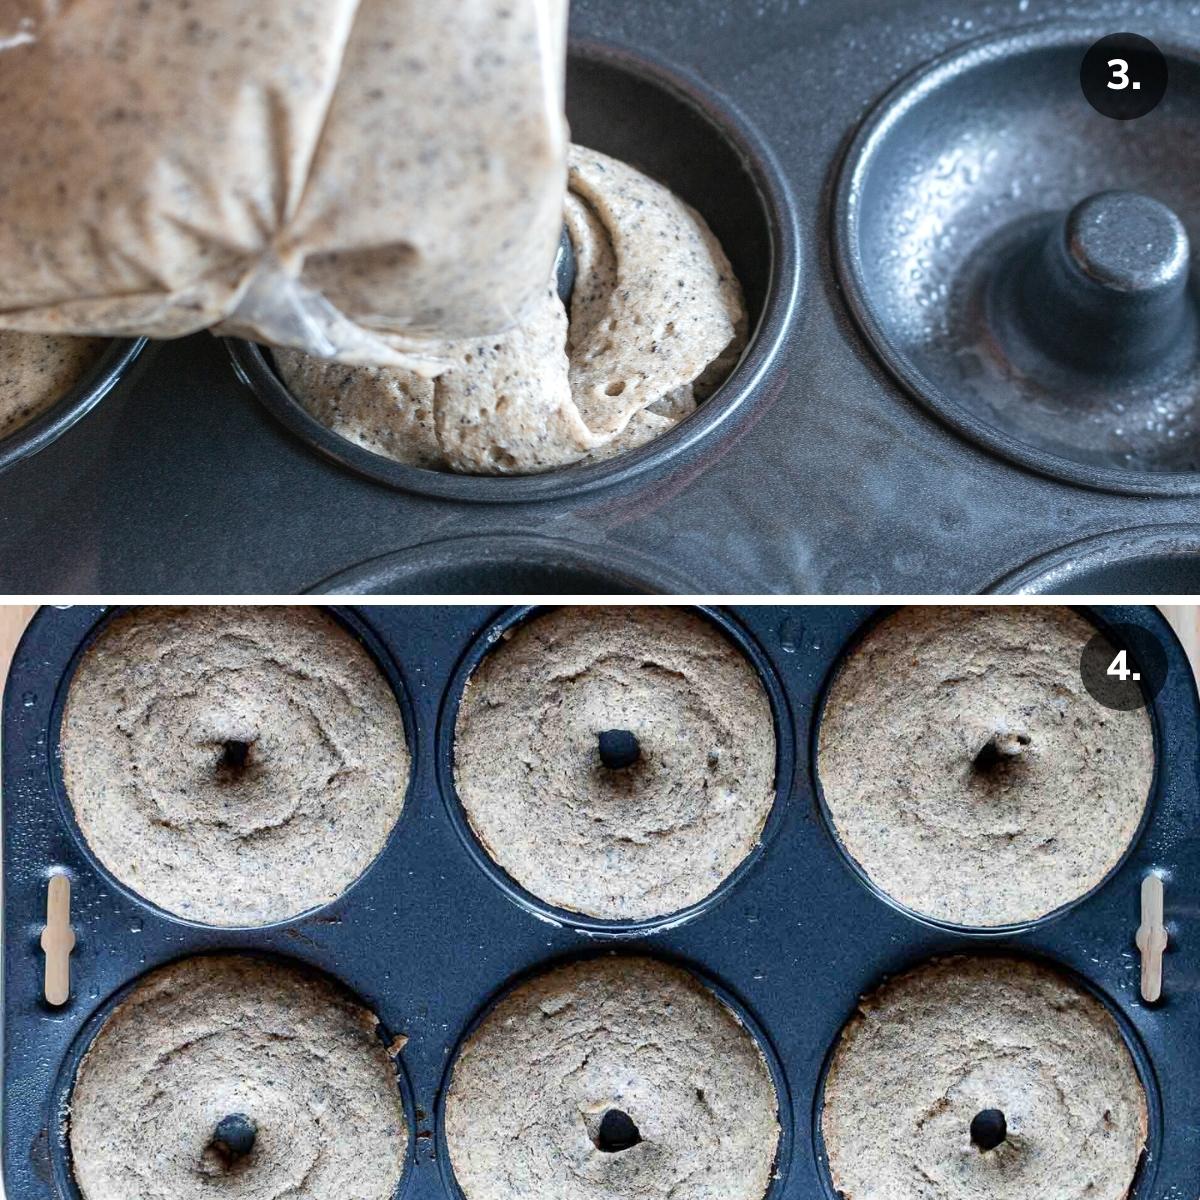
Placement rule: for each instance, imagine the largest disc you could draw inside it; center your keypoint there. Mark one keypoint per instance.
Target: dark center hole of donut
(235, 756)
(988, 1128)
(619, 748)
(1000, 753)
(234, 1138)
(617, 1132)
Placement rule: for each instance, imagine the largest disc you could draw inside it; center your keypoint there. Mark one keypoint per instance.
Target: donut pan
(876, 171)
(433, 932)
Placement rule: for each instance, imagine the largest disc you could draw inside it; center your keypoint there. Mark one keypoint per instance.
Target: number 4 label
(1119, 667)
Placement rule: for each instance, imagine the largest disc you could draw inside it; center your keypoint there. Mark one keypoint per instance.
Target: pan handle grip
(1152, 937)
(58, 940)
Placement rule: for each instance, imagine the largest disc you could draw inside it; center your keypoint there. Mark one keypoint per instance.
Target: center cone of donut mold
(619, 748)
(565, 268)
(234, 1138)
(1001, 750)
(989, 1128)
(1105, 293)
(617, 1132)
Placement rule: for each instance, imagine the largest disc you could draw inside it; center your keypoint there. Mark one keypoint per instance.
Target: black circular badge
(1123, 76)
(1124, 667)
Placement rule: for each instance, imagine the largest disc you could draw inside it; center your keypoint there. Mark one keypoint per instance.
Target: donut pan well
(876, 172)
(433, 932)
(26, 440)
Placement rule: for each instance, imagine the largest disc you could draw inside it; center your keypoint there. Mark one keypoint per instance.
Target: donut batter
(969, 772)
(933, 1048)
(532, 1088)
(233, 765)
(635, 843)
(208, 1038)
(657, 322)
(36, 371)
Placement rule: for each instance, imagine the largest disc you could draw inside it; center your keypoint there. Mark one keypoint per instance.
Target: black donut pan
(432, 932)
(823, 475)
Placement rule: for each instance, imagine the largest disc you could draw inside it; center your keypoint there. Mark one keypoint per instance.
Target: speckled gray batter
(150, 711)
(37, 371)
(936, 1046)
(531, 1087)
(657, 322)
(207, 1038)
(359, 178)
(645, 840)
(906, 718)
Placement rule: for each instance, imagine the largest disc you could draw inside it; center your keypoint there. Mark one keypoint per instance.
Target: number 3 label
(1120, 80)
(1123, 76)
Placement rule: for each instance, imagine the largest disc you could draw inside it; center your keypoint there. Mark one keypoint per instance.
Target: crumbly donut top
(234, 765)
(933, 1048)
(633, 843)
(532, 1088)
(968, 770)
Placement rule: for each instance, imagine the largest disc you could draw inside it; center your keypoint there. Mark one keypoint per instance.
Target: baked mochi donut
(616, 842)
(908, 1090)
(233, 765)
(657, 321)
(612, 1078)
(237, 1077)
(38, 370)
(967, 769)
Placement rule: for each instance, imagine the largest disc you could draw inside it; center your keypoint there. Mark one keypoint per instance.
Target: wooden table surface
(13, 618)
(1185, 619)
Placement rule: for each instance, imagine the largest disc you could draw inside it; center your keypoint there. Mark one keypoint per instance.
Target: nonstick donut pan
(433, 932)
(889, 181)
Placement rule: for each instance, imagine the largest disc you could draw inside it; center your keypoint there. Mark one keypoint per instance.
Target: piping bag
(358, 179)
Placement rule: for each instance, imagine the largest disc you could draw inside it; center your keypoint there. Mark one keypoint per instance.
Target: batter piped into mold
(655, 322)
(38, 370)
